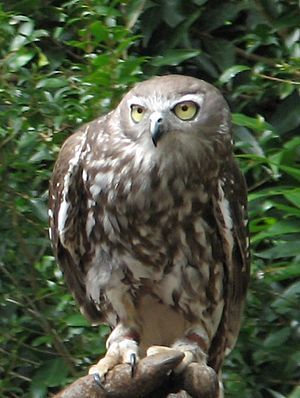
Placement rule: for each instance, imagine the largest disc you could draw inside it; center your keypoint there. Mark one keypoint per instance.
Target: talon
(97, 380)
(132, 363)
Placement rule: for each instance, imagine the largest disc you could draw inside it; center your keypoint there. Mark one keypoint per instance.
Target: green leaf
(258, 124)
(279, 190)
(295, 393)
(231, 72)
(38, 389)
(281, 249)
(39, 209)
(99, 31)
(286, 116)
(18, 42)
(291, 171)
(279, 228)
(222, 52)
(77, 320)
(43, 60)
(218, 14)
(281, 272)
(26, 28)
(52, 82)
(172, 13)
(174, 57)
(290, 296)
(42, 340)
(20, 59)
(275, 394)
(247, 141)
(288, 210)
(277, 338)
(52, 373)
(293, 197)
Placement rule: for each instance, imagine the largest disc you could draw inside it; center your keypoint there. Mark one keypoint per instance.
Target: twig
(277, 79)
(15, 374)
(48, 352)
(256, 58)
(27, 360)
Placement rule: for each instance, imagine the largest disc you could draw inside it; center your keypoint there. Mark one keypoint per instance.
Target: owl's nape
(148, 223)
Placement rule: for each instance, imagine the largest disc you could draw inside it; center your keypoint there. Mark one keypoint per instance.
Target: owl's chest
(152, 221)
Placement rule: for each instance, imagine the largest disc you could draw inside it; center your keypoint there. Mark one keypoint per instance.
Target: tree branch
(153, 378)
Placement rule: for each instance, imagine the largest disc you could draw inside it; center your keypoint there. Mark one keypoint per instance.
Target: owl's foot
(158, 349)
(187, 359)
(201, 381)
(124, 351)
(198, 379)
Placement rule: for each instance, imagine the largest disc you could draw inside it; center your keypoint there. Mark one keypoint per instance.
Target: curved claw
(97, 380)
(133, 363)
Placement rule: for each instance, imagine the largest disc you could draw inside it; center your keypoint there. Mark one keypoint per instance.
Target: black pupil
(139, 110)
(184, 108)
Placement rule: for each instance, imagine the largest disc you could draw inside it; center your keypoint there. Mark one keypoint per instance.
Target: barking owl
(148, 223)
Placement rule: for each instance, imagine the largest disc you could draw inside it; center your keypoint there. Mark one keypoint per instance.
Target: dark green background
(65, 62)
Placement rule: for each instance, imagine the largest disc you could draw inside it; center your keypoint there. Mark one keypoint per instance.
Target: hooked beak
(156, 127)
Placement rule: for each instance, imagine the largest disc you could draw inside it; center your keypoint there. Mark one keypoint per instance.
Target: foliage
(64, 62)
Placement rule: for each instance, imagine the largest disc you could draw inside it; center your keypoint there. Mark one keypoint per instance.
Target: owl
(148, 224)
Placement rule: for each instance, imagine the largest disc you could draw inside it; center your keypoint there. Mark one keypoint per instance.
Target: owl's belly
(169, 301)
(162, 325)
(172, 260)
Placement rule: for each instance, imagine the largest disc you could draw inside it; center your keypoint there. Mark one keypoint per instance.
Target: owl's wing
(66, 199)
(230, 210)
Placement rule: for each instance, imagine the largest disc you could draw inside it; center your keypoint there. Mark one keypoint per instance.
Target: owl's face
(174, 110)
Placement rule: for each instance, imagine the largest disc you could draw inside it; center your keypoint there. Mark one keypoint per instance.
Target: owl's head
(174, 114)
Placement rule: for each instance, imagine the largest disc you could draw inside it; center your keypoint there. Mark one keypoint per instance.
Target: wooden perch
(153, 378)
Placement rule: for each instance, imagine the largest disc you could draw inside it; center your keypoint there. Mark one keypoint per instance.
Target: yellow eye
(186, 110)
(137, 113)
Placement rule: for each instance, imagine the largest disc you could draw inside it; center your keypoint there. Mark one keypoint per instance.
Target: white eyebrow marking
(136, 101)
(153, 103)
(160, 103)
(197, 98)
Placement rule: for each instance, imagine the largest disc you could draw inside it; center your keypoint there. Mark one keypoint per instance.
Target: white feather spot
(104, 179)
(90, 222)
(84, 175)
(225, 208)
(95, 189)
(228, 351)
(62, 215)
(90, 203)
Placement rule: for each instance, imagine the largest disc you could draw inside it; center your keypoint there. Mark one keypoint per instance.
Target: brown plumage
(148, 223)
